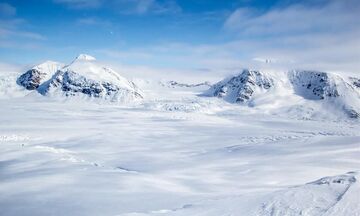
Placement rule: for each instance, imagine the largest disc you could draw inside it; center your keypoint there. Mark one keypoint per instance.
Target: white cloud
(12, 28)
(132, 54)
(146, 6)
(12, 33)
(125, 6)
(294, 19)
(93, 21)
(142, 6)
(322, 36)
(81, 4)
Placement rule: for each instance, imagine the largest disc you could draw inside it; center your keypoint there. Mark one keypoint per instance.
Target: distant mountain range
(85, 77)
(336, 91)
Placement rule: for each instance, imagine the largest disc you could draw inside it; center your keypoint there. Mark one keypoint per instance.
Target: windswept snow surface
(176, 154)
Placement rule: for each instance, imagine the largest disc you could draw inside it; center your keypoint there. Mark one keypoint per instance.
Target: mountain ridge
(84, 76)
(250, 86)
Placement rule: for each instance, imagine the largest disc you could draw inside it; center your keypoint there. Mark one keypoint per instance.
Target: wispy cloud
(12, 31)
(12, 28)
(81, 4)
(137, 7)
(294, 19)
(145, 6)
(322, 36)
(132, 54)
(93, 21)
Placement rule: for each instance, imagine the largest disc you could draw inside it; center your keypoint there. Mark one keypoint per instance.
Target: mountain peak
(85, 57)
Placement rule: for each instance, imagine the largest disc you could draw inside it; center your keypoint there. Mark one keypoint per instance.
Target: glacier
(68, 148)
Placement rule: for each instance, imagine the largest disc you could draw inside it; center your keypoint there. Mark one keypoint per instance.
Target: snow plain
(173, 154)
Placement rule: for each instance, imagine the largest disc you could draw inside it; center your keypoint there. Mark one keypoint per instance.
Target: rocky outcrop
(355, 81)
(31, 79)
(240, 88)
(174, 84)
(313, 84)
(34, 77)
(336, 90)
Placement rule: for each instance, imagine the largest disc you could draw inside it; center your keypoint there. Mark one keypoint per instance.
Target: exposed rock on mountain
(334, 89)
(83, 77)
(314, 85)
(34, 77)
(174, 84)
(333, 92)
(240, 88)
(355, 81)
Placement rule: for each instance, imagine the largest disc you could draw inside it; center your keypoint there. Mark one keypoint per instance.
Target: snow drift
(321, 197)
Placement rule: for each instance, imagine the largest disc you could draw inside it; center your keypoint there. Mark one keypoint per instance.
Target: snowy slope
(315, 198)
(106, 159)
(176, 152)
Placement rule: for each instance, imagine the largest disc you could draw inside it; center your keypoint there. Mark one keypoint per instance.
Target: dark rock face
(313, 85)
(355, 82)
(31, 79)
(240, 88)
(72, 83)
(338, 91)
(341, 179)
(352, 113)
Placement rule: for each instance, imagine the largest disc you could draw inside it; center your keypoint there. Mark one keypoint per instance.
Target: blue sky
(190, 34)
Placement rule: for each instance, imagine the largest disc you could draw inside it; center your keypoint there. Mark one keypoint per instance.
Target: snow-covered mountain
(240, 88)
(314, 85)
(37, 75)
(339, 93)
(83, 77)
(297, 93)
(335, 90)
